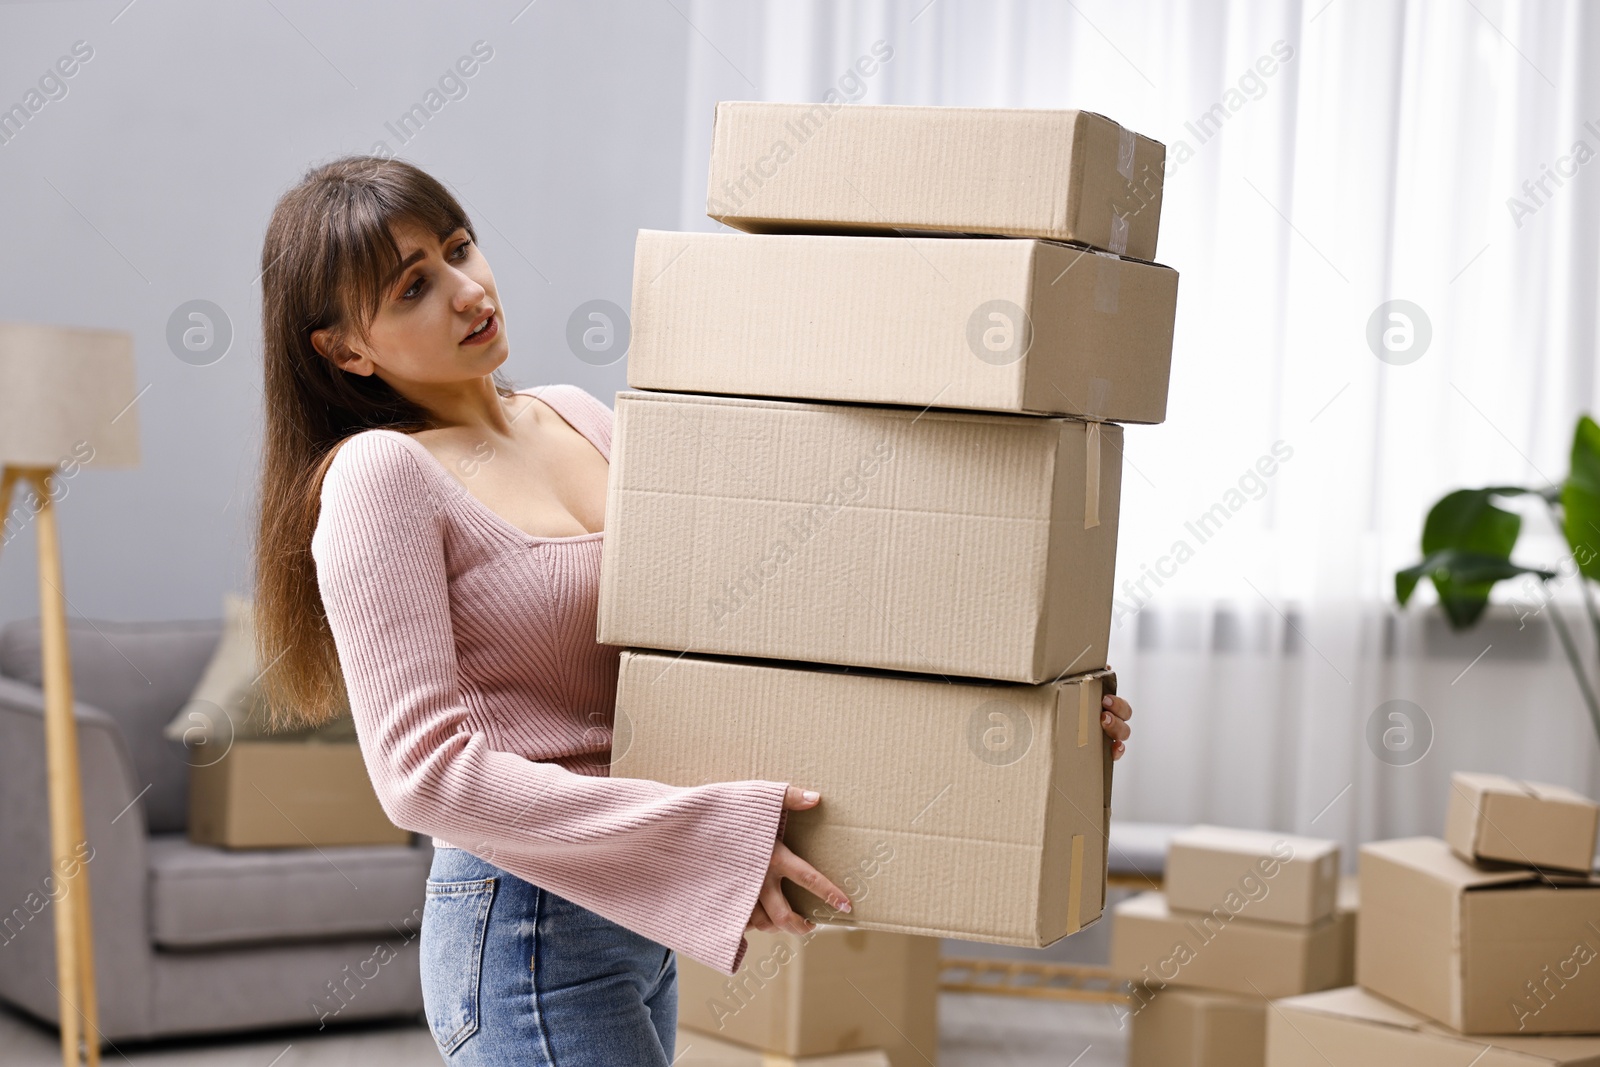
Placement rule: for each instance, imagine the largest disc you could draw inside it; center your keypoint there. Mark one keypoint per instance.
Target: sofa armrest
(116, 864)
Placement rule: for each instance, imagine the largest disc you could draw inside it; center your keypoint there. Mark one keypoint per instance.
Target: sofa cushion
(202, 896)
(139, 673)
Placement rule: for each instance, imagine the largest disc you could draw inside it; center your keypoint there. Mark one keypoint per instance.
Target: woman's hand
(1114, 721)
(772, 911)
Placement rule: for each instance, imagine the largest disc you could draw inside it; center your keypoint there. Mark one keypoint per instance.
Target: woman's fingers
(1117, 706)
(1117, 749)
(759, 918)
(797, 799)
(1114, 727)
(783, 917)
(788, 865)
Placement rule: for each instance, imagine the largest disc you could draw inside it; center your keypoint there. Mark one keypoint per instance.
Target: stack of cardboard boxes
(867, 478)
(1245, 917)
(1468, 947)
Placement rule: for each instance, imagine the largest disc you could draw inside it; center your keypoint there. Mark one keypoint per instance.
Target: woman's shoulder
(379, 461)
(566, 394)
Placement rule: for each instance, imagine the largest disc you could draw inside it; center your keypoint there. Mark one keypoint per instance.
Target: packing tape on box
(1091, 475)
(1108, 278)
(1125, 145)
(1075, 887)
(1088, 698)
(1119, 232)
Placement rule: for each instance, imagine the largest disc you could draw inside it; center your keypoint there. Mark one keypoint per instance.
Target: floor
(973, 1031)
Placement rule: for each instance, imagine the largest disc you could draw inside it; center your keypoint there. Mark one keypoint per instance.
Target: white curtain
(1324, 159)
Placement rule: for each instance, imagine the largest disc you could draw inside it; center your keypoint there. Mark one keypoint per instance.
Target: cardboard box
(1352, 1028)
(288, 794)
(1483, 950)
(1198, 1028)
(833, 990)
(1021, 326)
(1267, 877)
(938, 542)
(695, 1049)
(1153, 944)
(948, 809)
(1063, 175)
(1492, 817)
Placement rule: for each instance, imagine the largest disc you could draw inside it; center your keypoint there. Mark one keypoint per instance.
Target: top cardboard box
(1483, 949)
(1273, 877)
(855, 168)
(1350, 1027)
(1496, 818)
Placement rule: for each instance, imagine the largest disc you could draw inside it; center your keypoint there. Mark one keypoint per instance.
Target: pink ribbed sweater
(483, 703)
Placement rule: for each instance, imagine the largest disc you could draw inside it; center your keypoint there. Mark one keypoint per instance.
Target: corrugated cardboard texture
(951, 810)
(269, 794)
(1197, 1028)
(835, 989)
(1352, 1028)
(1023, 326)
(937, 542)
(1492, 817)
(695, 1049)
(1153, 944)
(1267, 877)
(1483, 949)
(1064, 175)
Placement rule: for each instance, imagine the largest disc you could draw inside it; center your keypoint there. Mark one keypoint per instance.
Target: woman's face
(422, 333)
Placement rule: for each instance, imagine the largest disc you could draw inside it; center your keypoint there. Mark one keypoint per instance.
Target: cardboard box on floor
(1198, 1028)
(1488, 950)
(288, 794)
(833, 990)
(949, 808)
(1224, 951)
(1267, 877)
(1351, 1027)
(937, 542)
(1064, 175)
(1492, 817)
(695, 1049)
(1020, 326)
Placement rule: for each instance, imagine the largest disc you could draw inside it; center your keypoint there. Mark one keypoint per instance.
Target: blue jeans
(513, 974)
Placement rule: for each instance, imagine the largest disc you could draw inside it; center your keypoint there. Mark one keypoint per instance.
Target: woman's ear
(329, 345)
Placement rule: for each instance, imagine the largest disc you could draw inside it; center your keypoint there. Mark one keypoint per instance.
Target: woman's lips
(488, 333)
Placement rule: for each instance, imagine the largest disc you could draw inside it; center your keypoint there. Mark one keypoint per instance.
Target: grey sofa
(188, 939)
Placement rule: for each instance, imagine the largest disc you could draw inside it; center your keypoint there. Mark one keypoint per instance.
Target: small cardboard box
(949, 809)
(1267, 877)
(1352, 1028)
(1064, 175)
(835, 989)
(1489, 950)
(287, 794)
(939, 542)
(1197, 1028)
(1157, 946)
(1492, 817)
(1020, 326)
(696, 1049)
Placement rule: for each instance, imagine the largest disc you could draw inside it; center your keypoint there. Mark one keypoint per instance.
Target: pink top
(483, 703)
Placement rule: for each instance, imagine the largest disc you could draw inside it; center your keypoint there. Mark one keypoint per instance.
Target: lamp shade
(62, 387)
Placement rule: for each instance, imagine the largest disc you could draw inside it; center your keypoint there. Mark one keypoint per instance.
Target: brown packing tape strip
(1091, 475)
(1107, 281)
(1088, 699)
(1075, 887)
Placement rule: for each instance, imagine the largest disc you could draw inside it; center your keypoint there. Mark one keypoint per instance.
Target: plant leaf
(1580, 499)
(1463, 580)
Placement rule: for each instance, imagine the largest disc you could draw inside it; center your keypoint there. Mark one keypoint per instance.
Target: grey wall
(150, 183)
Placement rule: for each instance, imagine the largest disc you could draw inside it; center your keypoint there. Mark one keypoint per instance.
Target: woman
(429, 549)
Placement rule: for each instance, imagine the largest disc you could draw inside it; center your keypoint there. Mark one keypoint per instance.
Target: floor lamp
(66, 402)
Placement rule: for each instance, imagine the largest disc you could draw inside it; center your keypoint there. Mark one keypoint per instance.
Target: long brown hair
(328, 257)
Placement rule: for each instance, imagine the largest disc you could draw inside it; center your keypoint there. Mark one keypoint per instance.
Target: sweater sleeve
(682, 866)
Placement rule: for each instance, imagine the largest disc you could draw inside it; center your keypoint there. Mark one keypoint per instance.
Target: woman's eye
(411, 290)
(462, 248)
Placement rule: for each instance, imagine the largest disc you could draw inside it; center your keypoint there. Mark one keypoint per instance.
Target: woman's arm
(683, 866)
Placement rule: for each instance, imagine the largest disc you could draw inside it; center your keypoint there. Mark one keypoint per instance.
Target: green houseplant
(1467, 541)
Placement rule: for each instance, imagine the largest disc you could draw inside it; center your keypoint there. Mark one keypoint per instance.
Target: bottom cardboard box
(288, 794)
(835, 989)
(950, 808)
(695, 1049)
(1213, 950)
(1177, 1027)
(1351, 1027)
